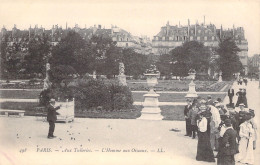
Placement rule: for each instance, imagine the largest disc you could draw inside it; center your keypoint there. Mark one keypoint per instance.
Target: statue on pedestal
(47, 83)
(121, 76)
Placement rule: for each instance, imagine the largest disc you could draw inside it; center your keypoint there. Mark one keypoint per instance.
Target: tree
(68, 50)
(191, 55)
(164, 65)
(38, 53)
(135, 63)
(229, 62)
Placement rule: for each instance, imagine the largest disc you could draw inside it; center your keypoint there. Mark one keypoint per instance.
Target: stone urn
(151, 109)
(152, 80)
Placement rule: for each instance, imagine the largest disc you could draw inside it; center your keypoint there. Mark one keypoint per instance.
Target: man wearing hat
(51, 117)
(231, 95)
(228, 146)
(209, 100)
(187, 108)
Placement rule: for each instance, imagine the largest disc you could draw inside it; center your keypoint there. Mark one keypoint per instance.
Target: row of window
(184, 38)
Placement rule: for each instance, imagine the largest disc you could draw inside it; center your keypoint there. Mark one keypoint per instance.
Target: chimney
(188, 28)
(52, 30)
(167, 28)
(204, 21)
(221, 31)
(66, 26)
(196, 28)
(99, 26)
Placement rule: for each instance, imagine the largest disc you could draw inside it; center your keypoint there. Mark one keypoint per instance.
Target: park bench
(7, 112)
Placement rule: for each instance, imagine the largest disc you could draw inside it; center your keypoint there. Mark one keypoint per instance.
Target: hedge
(94, 94)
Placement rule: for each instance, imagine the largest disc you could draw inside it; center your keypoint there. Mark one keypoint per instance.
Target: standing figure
(253, 122)
(231, 95)
(240, 97)
(245, 81)
(187, 109)
(214, 125)
(52, 117)
(228, 146)
(244, 98)
(246, 133)
(204, 151)
(193, 117)
(209, 100)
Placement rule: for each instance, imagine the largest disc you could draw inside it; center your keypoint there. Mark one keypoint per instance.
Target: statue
(47, 83)
(121, 76)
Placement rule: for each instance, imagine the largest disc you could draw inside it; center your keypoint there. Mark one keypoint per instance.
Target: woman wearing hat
(204, 151)
(227, 144)
(241, 97)
(246, 132)
(214, 124)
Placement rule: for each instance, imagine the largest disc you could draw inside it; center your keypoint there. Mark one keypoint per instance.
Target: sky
(143, 17)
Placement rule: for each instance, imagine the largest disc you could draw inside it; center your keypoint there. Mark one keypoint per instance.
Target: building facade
(123, 38)
(171, 37)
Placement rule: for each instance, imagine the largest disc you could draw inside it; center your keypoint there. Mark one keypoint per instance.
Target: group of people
(240, 81)
(241, 94)
(228, 132)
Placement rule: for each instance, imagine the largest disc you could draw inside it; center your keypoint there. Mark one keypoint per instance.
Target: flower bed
(175, 85)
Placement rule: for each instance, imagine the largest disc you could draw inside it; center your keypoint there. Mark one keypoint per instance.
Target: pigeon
(81, 145)
(71, 138)
(89, 140)
(74, 138)
(79, 133)
(29, 137)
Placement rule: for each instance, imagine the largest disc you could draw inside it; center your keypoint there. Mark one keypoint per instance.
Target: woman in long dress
(204, 151)
(244, 98)
(240, 97)
(246, 134)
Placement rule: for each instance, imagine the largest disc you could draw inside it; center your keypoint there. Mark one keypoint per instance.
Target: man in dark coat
(52, 117)
(209, 100)
(187, 108)
(228, 145)
(231, 95)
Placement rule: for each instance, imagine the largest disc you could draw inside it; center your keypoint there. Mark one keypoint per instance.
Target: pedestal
(192, 92)
(122, 80)
(151, 110)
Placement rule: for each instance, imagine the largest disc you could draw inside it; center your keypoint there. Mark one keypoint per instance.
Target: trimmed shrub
(90, 95)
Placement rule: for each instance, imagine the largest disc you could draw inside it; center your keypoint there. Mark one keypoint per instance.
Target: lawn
(19, 94)
(174, 97)
(168, 112)
(175, 85)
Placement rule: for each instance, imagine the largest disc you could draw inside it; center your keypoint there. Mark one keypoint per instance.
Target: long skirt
(239, 100)
(226, 160)
(204, 151)
(245, 154)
